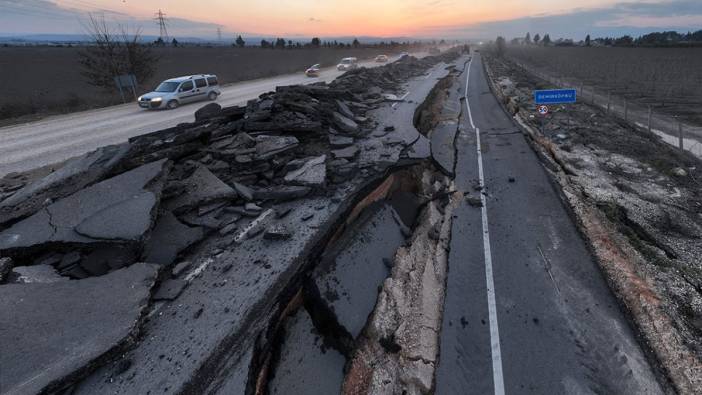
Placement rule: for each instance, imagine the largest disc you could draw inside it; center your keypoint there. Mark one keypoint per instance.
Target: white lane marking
(497, 375)
(470, 115)
(198, 270)
(253, 223)
(402, 98)
(238, 238)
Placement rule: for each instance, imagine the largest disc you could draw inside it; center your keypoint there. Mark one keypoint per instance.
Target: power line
(56, 12)
(90, 6)
(163, 31)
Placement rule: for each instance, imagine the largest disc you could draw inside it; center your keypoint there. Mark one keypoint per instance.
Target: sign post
(552, 96)
(127, 81)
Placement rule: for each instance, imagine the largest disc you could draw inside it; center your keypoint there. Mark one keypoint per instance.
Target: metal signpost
(552, 96)
(127, 81)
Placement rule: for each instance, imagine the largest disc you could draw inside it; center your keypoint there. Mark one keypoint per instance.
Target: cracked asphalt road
(57, 138)
(209, 333)
(527, 310)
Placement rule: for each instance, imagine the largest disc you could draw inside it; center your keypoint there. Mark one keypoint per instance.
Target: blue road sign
(554, 96)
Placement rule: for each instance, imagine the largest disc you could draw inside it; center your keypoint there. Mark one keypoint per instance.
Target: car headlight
(156, 99)
(140, 97)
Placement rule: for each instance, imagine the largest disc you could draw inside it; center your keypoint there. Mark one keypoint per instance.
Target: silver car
(347, 64)
(176, 91)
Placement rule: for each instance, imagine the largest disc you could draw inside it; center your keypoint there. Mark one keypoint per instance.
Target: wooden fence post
(609, 99)
(680, 136)
(650, 113)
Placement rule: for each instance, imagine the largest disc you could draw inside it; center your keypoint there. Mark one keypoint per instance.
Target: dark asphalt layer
(560, 328)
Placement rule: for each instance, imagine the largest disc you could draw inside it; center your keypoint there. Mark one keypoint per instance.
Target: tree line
(316, 42)
(654, 39)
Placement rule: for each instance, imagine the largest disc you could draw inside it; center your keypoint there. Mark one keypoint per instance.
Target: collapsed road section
(171, 263)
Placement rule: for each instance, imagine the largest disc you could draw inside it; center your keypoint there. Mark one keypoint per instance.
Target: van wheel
(212, 96)
(173, 104)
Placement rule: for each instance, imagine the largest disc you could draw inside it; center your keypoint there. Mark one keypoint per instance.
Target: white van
(347, 64)
(176, 91)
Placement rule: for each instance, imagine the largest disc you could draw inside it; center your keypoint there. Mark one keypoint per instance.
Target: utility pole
(163, 31)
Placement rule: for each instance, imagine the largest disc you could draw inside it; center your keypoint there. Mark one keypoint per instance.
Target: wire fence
(669, 128)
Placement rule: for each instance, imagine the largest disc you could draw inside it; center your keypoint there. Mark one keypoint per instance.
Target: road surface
(57, 138)
(527, 310)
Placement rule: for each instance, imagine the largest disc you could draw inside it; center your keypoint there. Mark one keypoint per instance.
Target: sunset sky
(412, 18)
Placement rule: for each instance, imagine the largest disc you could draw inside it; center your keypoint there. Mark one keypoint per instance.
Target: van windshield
(346, 61)
(167, 87)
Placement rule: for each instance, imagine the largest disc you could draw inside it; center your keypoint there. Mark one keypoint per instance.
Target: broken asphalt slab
(306, 365)
(336, 141)
(345, 153)
(268, 146)
(201, 187)
(345, 124)
(168, 238)
(170, 289)
(124, 202)
(74, 175)
(347, 281)
(281, 193)
(54, 333)
(443, 150)
(312, 173)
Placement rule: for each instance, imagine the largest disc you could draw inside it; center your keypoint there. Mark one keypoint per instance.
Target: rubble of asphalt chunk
(269, 146)
(200, 188)
(245, 195)
(312, 173)
(53, 332)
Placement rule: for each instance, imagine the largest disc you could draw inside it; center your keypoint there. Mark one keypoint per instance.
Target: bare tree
(115, 52)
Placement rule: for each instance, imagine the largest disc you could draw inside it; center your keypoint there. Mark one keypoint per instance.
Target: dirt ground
(667, 79)
(650, 194)
(41, 80)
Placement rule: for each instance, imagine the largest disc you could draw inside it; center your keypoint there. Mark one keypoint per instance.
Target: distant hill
(72, 38)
